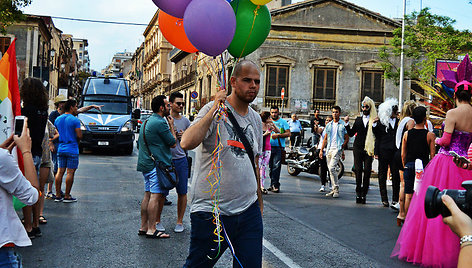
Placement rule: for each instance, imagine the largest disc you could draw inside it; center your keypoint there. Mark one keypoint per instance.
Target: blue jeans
(275, 164)
(244, 231)
(9, 258)
(181, 168)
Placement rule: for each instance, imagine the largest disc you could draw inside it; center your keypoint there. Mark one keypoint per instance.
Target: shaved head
(238, 68)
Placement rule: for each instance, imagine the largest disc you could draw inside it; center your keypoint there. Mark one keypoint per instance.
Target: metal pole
(400, 93)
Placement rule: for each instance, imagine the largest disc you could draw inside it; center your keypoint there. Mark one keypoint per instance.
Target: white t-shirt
(334, 134)
(12, 182)
(238, 187)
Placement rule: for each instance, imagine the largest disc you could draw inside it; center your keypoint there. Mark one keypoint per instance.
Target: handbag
(283, 158)
(169, 180)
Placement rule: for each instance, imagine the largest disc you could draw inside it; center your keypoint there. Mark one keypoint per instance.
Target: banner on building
(450, 65)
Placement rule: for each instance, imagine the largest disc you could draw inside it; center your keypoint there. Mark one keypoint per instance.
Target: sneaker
(31, 234)
(322, 188)
(336, 192)
(50, 196)
(69, 200)
(58, 199)
(395, 206)
(330, 193)
(179, 228)
(37, 232)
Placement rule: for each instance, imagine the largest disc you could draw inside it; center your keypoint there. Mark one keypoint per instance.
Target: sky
(106, 39)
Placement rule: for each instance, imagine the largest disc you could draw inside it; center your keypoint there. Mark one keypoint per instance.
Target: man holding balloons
(234, 219)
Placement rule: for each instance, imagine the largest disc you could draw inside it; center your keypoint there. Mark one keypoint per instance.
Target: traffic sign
(194, 95)
(282, 93)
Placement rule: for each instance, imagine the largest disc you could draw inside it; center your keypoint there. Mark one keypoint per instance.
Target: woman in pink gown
(430, 242)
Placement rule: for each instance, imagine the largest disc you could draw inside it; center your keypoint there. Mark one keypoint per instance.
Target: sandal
(42, 220)
(157, 235)
(141, 232)
(264, 191)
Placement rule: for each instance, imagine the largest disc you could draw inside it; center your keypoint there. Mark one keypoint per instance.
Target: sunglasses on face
(366, 107)
(180, 103)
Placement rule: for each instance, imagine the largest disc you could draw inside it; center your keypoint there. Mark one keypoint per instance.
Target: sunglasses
(180, 103)
(365, 107)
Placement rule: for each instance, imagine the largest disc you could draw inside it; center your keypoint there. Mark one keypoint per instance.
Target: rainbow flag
(9, 92)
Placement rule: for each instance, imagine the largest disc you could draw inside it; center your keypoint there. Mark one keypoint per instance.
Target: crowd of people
(227, 131)
(47, 148)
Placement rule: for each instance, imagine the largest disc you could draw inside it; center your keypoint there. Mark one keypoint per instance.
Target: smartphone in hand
(19, 122)
(454, 154)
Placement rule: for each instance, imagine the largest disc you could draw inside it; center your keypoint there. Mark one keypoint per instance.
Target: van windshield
(110, 104)
(107, 86)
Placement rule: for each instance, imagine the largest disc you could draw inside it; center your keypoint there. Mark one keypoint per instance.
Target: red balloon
(173, 30)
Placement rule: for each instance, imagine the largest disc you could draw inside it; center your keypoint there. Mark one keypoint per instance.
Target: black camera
(433, 205)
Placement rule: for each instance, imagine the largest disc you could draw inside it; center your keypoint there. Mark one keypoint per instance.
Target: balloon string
(250, 32)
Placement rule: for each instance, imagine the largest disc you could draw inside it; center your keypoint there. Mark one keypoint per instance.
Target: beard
(366, 112)
(245, 97)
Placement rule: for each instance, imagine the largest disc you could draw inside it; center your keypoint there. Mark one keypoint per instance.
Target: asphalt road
(302, 227)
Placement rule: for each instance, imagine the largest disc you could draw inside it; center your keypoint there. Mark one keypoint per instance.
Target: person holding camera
(429, 242)
(24, 187)
(461, 225)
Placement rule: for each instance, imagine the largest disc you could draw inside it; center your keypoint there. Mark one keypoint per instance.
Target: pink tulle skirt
(430, 242)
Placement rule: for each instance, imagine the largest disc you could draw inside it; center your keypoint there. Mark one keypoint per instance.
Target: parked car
(306, 133)
(145, 114)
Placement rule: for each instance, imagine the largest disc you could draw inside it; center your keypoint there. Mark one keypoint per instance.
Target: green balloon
(17, 204)
(247, 37)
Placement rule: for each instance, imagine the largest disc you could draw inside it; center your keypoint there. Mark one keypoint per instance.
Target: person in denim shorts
(159, 138)
(70, 134)
(179, 157)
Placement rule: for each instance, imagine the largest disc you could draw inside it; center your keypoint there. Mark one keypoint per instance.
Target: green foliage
(427, 37)
(10, 12)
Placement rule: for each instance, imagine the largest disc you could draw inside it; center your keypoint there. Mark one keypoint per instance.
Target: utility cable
(96, 21)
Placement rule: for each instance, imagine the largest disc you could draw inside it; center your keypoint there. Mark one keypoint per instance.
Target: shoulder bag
(170, 180)
(283, 153)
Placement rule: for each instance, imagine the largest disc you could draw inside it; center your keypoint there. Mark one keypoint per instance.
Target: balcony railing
(323, 104)
(275, 101)
(186, 80)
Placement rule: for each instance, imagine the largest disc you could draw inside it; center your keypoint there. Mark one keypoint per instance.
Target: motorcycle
(301, 159)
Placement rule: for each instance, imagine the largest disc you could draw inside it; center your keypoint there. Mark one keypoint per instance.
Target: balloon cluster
(212, 26)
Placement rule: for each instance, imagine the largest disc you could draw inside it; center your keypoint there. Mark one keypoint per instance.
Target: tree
(427, 37)
(10, 12)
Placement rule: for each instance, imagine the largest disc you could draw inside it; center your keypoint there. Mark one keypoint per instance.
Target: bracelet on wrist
(23, 153)
(466, 239)
(466, 244)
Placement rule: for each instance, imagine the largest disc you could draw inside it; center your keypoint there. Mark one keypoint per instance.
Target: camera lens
(431, 206)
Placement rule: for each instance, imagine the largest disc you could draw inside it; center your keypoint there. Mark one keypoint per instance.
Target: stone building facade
(323, 53)
(156, 64)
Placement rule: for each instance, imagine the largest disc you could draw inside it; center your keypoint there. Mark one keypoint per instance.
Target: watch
(466, 238)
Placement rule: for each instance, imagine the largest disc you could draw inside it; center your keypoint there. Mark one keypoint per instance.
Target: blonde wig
(370, 138)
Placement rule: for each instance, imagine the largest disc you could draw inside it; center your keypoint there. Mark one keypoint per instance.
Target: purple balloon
(175, 8)
(210, 25)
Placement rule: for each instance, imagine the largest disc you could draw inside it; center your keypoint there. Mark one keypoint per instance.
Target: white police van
(112, 127)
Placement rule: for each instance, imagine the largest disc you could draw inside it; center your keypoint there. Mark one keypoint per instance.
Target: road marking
(279, 254)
